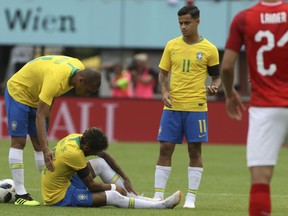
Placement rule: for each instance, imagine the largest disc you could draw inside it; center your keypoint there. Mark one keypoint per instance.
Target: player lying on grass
(63, 188)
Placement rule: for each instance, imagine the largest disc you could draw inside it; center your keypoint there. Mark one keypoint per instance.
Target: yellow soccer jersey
(188, 66)
(43, 78)
(69, 158)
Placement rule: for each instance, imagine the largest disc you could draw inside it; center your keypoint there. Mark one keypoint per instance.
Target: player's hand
(211, 90)
(121, 190)
(234, 106)
(167, 100)
(48, 158)
(129, 187)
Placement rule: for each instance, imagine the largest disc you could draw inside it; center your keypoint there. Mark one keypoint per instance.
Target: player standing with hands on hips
(187, 60)
(29, 96)
(263, 30)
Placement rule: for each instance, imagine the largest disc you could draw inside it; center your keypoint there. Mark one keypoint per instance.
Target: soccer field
(223, 190)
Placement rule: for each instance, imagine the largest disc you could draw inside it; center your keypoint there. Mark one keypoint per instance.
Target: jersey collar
(271, 4)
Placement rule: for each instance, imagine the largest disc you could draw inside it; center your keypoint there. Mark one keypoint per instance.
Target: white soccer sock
(17, 169)
(39, 160)
(106, 173)
(113, 198)
(162, 174)
(194, 179)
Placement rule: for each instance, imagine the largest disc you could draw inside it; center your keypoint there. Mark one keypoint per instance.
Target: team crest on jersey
(13, 125)
(199, 55)
(82, 197)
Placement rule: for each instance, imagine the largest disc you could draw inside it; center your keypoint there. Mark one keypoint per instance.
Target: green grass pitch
(223, 191)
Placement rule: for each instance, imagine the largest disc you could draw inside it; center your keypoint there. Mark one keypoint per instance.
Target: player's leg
(163, 169)
(32, 131)
(99, 167)
(195, 171)
(196, 132)
(260, 200)
(38, 154)
(17, 119)
(170, 132)
(78, 189)
(116, 199)
(84, 198)
(267, 132)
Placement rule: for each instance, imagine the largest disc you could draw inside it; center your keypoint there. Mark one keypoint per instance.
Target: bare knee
(195, 155)
(18, 142)
(97, 166)
(261, 174)
(166, 151)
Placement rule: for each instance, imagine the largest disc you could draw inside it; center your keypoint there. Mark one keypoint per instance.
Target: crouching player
(63, 188)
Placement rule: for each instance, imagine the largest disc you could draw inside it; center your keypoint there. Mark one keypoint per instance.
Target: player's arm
(94, 186)
(49, 115)
(164, 87)
(43, 112)
(234, 104)
(227, 70)
(114, 165)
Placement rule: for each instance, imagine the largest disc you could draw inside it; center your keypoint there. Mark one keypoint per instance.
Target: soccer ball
(7, 191)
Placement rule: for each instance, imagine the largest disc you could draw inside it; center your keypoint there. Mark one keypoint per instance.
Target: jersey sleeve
(50, 89)
(165, 62)
(214, 57)
(236, 38)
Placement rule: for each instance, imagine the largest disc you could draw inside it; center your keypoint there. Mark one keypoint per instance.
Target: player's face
(88, 152)
(188, 25)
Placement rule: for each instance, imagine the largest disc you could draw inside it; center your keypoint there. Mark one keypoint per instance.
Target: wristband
(113, 187)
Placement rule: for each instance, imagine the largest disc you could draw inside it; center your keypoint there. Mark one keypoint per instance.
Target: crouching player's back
(69, 158)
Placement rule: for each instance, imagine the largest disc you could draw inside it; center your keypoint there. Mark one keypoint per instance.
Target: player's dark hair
(91, 76)
(95, 139)
(192, 10)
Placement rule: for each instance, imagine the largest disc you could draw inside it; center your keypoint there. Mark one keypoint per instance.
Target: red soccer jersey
(263, 30)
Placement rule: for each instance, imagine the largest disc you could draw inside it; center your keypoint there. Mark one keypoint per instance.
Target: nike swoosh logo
(201, 135)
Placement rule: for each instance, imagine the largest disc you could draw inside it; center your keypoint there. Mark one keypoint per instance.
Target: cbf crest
(14, 125)
(199, 55)
(82, 197)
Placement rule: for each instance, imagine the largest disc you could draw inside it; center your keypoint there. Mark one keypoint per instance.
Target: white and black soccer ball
(7, 191)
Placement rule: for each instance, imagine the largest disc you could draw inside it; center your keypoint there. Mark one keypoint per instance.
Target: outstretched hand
(48, 158)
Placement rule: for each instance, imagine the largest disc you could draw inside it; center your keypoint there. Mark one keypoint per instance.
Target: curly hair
(95, 139)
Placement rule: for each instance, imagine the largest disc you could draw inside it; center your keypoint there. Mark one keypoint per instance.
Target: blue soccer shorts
(175, 125)
(21, 119)
(76, 195)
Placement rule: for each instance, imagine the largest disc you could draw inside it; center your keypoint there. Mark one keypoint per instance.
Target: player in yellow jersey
(63, 188)
(28, 98)
(187, 60)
